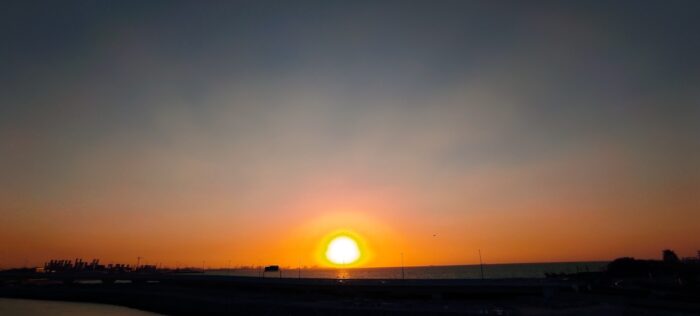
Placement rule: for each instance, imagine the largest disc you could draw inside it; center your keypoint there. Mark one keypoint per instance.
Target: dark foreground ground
(173, 294)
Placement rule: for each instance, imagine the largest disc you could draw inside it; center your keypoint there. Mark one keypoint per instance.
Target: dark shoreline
(221, 295)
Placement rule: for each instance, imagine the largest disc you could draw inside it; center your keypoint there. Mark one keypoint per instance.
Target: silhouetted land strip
(178, 294)
(627, 287)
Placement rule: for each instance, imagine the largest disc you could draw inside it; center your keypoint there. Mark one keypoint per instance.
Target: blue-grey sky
(494, 122)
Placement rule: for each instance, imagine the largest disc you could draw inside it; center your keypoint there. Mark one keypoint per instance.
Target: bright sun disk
(342, 250)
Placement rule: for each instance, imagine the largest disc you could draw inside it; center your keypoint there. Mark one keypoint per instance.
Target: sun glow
(343, 250)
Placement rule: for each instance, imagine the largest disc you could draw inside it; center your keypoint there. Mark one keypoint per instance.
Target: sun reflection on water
(343, 274)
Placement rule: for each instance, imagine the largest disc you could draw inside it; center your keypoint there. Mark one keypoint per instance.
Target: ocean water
(491, 271)
(21, 307)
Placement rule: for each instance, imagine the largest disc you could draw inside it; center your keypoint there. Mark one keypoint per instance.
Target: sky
(247, 132)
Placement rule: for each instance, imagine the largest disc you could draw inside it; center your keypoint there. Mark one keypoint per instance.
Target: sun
(343, 250)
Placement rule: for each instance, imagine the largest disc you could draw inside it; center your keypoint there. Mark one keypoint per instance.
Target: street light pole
(481, 264)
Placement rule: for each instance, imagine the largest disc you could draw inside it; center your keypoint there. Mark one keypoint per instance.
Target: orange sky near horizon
(603, 220)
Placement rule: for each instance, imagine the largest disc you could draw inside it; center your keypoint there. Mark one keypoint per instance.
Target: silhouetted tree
(670, 256)
(626, 267)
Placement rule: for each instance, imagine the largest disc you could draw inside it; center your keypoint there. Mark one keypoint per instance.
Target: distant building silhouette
(78, 265)
(147, 268)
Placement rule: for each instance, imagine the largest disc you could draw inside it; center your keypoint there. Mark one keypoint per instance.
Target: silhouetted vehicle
(273, 268)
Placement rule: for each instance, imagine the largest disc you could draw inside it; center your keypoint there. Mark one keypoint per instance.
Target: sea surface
(490, 271)
(21, 307)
